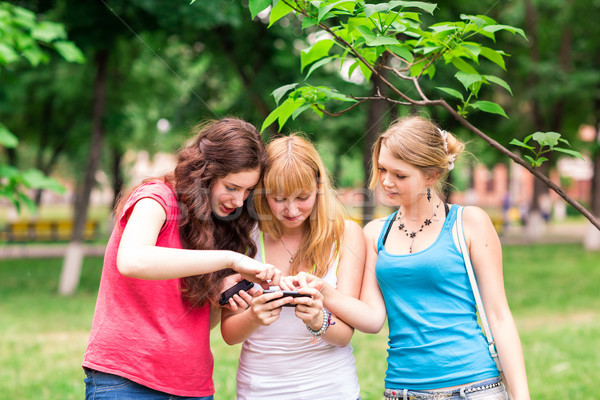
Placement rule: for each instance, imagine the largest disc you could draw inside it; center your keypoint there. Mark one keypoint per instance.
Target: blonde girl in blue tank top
(302, 351)
(415, 275)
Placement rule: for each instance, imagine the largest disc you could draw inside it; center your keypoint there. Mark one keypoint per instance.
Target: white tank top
(279, 362)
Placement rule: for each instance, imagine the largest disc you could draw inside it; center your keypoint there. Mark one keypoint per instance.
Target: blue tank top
(434, 338)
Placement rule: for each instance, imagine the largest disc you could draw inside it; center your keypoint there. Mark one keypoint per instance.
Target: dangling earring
(429, 194)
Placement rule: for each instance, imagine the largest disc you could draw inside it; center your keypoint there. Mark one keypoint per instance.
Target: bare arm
(139, 257)
(486, 255)
(349, 276)
(368, 313)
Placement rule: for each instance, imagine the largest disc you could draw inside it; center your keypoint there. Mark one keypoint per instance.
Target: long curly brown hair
(218, 148)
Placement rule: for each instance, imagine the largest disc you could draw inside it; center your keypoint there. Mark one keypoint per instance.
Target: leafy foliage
(390, 35)
(22, 36)
(393, 38)
(547, 142)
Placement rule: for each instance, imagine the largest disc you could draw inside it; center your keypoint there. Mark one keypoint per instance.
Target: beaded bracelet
(326, 322)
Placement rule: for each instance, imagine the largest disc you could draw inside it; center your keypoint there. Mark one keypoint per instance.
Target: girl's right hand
(255, 271)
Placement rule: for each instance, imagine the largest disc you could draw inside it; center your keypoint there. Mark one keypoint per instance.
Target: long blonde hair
(294, 166)
(421, 143)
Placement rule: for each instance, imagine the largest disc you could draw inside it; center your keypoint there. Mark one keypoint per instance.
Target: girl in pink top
(174, 241)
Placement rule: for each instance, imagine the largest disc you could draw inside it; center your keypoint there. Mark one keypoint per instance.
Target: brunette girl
(174, 240)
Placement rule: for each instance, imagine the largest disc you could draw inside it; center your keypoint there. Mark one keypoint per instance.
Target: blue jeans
(102, 386)
(487, 389)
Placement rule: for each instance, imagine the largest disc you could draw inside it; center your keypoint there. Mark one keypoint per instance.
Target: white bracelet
(324, 326)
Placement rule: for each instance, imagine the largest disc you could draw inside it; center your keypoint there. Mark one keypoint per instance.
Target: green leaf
(570, 152)
(69, 51)
(494, 56)
(257, 6)
(7, 139)
(307, 22)
(22, 198)
(280, 10)
(48, 31)
(279, 92)
(286, 110)
(333, 94)
(549, 139)
(468, 80)
(498, 81)
(300, 110)
(7, 55)
(323, 11)
(428, 7)
(35, 56)
(477, 20)
(366, 33)
(511, 29)
(319, 64)
(516, 142)
(463, 66)
(366, 71)
(8, 171)
(452, 92)
(272, 117)
(565, 141)
(381, 40)
(540, 161)
(371, 9)
(439, 28)
(489, 107)
(475, 50)
(318, 50)
(35, 179)
(401, 51)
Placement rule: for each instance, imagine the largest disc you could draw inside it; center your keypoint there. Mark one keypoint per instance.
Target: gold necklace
(413, 234)
(288, 250)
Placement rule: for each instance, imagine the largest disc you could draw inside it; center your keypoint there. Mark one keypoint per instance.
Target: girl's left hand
(309, 309)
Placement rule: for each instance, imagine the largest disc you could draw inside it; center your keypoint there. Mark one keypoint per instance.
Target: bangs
(284, 179)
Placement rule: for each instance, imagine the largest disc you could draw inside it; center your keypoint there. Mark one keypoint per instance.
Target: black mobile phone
(286, 293)
(235, 289)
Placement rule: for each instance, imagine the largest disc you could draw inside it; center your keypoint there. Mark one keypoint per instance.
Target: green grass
(552, 289)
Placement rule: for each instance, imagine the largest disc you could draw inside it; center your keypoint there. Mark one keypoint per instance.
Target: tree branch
(595, 221)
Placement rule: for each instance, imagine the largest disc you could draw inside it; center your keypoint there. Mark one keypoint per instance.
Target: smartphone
(235, 289)
(286, 293)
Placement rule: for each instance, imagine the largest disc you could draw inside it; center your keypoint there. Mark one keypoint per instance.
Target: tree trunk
(540, 209)
(117, 172)
(591, 240)
(71, 269)
(375, 123)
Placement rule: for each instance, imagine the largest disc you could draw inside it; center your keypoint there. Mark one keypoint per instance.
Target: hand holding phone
(235, 289)
(286, 293)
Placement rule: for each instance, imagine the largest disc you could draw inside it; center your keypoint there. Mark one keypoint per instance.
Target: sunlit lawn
(553, 291)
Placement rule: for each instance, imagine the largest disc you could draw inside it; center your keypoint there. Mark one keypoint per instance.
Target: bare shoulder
(373, 228)
(149, 207)
(478, 224)
(474, 216)
(351, 227)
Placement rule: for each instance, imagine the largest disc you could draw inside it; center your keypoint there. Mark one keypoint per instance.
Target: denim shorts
(102, 386)
(487, 389)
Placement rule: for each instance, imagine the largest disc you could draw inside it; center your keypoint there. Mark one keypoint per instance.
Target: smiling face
(401, 182)
(292, 210)
(230, 191)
